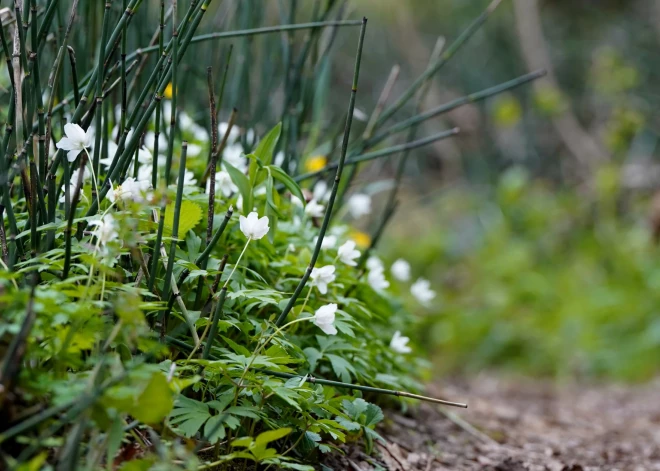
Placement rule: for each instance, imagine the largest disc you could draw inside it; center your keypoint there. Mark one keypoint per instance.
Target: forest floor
(516, 425)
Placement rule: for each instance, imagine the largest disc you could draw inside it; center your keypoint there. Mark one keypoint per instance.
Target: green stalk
(80, 106)
(381, 153)
(72, 211)
(255, 32)
(175, 67)
(214, 323)
(340, 167)
(45, 25)
(74, 75)
(100, 66)
(118, 162)
(154, 168)
(124, 98)
(390, 206)
(472, 98)
(177, 216)
(337, 384)
(430, 71)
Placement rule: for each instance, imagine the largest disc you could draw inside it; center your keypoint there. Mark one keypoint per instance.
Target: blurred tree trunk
(586, 150)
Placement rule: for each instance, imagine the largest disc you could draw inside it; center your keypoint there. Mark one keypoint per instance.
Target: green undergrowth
(182, 282)
(540, 280)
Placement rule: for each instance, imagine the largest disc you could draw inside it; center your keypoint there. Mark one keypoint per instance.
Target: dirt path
(522, 425)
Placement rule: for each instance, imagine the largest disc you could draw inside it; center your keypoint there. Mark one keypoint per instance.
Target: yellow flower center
(316, 163)
(362, 239)
(168, 91)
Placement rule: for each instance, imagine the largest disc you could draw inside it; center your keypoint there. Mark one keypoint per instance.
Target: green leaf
(265, 438)
(374, 414)
(190, 215)
(243, 184)
(155, 402)
(355, 408)
(266, 147)
(287, 181)
(341, 367)
(189, 415)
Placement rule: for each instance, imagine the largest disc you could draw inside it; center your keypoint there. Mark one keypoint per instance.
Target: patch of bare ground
(521, 425)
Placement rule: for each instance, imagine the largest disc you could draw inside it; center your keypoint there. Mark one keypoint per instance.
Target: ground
(516, 425)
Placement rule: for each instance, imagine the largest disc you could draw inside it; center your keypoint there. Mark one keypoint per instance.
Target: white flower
(377, 281)
(150, 141)
(223, 183)
(329, 242)
(112, 150)
(189, 178)
(399, 343)
(129, 190)
(359, 205)
(375, 263)
(75, 141)
(347, 253)
(321, 192)
(233, 134)
(253, 227)
(193, 150)
(297, 201)
(279, 159)
(233, 155)
(324, 318)
(73, 182)
(322, 276)
(421, 290)
(401, 270)
(106, 229)
(313, 209)
(144, 173)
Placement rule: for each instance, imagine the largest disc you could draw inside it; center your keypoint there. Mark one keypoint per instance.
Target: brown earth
(516, 425)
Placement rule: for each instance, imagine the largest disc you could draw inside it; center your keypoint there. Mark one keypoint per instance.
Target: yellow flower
(168, 91)
(316, 163)
(363, 240)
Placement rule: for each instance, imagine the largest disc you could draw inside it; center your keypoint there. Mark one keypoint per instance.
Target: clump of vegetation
(541, 280)
(179, 292)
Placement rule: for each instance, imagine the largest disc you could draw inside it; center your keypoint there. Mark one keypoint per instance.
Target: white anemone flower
(130, 189)
(106, 229)
(314, 210)
(329, 242)
(76, 140)
(324, 318)
(401, 270)
(73, 184)
(375, 263)
(399, 343)
(421, 290)
(223, 183)
(321, 277)
(347, 253)
(376, 279)
(254, 227)
(359, 205)
(233, 155)
(321, 191)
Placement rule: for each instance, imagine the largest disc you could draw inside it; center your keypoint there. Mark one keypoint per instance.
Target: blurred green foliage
(538, 280)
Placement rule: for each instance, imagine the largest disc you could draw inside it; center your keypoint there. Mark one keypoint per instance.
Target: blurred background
(536, 226)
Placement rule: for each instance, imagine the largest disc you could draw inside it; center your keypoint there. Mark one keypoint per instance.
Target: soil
(516, 425)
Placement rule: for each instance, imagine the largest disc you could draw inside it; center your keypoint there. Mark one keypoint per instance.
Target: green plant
(538, 279)
(130, 321)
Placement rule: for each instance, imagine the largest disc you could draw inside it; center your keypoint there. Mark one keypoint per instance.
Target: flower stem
(335, 186)
(236, 264)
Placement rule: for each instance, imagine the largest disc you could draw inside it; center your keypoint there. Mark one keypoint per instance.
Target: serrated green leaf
(191, 214)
